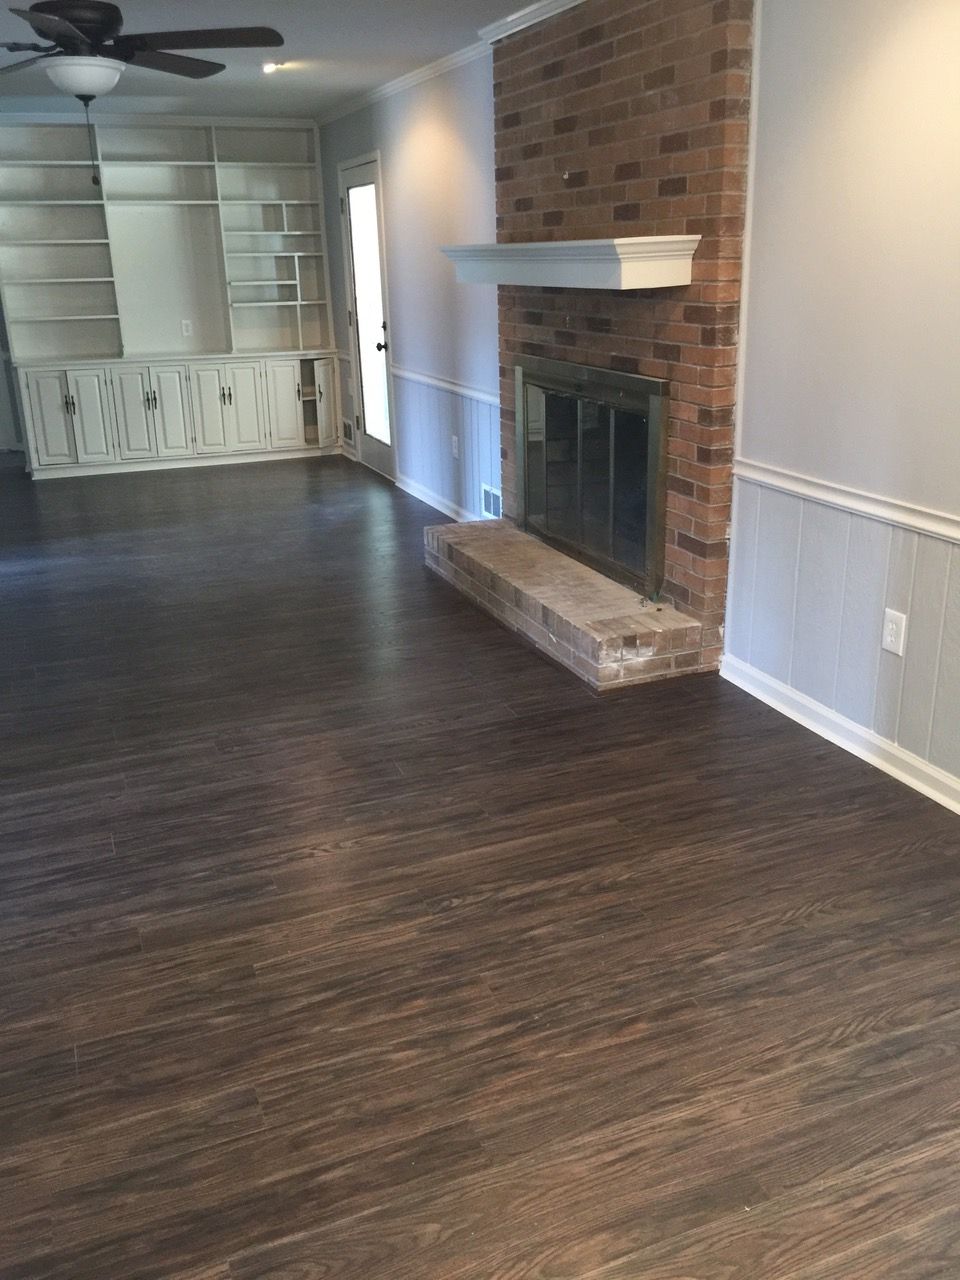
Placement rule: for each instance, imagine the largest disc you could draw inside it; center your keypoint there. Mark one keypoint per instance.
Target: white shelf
(112, 257)
(278, 253)
(154, 200)
(32, 204)
(153, 164)
(265, 164)
(628, 262)
(61, 280)
(56, 319)
(44, 164)
(16, 244)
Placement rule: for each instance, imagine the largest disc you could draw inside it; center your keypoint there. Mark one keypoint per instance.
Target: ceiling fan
(87, 50)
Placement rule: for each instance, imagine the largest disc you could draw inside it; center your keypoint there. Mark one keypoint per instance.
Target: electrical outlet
(894, 631)
(186, 328)
(455, 445)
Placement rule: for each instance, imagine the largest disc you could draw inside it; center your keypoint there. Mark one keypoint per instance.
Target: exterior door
(362, 211)
(210, 409)
(244, 410)
(50, 416)
(285, 395)
(325, 383)
(171, 410)
(131, 397)
(90, 410)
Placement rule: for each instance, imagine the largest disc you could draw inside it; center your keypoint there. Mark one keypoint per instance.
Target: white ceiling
(335, 50)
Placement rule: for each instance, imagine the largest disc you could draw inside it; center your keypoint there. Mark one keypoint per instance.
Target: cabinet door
(171, 410)
(325, 382)
(243, 402)
(92, 421)
(131, 398)
(210, 408)
(50, 418)
(284, 394)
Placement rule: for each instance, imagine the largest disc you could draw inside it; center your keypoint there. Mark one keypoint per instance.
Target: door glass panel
(368, 286)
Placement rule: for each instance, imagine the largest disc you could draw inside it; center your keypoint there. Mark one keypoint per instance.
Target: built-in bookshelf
(201, 239)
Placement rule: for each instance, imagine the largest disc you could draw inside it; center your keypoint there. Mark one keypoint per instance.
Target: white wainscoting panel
(809, 585)
(430, 412)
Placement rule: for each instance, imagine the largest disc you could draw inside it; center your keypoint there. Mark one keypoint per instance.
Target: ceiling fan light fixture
(82, 76)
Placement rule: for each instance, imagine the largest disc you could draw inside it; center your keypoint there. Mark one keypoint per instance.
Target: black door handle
(230, 395)
(382, 346)
(154, 400)
(223, 395)
(298, 391)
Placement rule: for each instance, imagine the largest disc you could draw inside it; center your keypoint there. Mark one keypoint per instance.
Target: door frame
(343, 171)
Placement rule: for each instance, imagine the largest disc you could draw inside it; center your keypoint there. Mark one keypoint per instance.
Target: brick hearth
(606, 633)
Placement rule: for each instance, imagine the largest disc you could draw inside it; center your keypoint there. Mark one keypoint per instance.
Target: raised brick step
(606, 633)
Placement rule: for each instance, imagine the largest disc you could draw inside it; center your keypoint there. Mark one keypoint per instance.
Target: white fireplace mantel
(626, 262)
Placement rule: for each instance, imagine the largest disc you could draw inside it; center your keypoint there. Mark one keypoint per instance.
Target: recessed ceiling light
(270, 67)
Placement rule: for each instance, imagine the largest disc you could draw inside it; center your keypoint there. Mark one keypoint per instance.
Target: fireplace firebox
(591, 454)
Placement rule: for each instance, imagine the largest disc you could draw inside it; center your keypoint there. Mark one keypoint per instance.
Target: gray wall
(847, 497)
(436, 148)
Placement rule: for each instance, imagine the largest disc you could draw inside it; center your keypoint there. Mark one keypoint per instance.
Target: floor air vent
(491, 502)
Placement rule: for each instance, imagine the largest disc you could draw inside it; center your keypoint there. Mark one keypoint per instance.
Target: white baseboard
(881, 752)
(174, 464)
(433, 499)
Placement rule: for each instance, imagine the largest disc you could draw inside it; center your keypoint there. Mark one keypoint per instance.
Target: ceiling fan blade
(64, 33)
(205, 38)
(26, 62)
(191, 68)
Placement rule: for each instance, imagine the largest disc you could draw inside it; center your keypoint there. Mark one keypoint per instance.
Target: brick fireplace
(629, 118)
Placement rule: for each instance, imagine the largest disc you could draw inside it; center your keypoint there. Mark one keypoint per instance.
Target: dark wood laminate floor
(341, 936)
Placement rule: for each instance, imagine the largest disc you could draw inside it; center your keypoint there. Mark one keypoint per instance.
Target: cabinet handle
(223, 395)
(154, 398)
(73, 405)
(146, 400)
(319, 395)
(230, 395)
(66, 403)
(298, 391)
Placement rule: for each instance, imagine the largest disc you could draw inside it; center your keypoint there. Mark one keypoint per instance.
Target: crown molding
(429, 72)
(523, 18)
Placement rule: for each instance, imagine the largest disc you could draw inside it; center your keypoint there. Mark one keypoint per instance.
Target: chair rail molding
(446, 384)
(936, 524)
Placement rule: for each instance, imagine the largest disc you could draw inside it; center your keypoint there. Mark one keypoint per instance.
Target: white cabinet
(326, 385)
(285, 397)
(244, 408)
(171, 410)
(132, 400)
(131, 412)
(153, 413)
(49, 402)
(90, 412)
(70, 416)
(210, 409)
(228, 407)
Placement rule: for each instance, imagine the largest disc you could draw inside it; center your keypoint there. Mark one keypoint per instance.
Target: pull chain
(86, 99)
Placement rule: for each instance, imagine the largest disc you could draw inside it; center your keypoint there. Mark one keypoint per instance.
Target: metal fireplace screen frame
(628, 393)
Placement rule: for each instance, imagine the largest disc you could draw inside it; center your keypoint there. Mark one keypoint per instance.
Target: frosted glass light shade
(84, 76)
